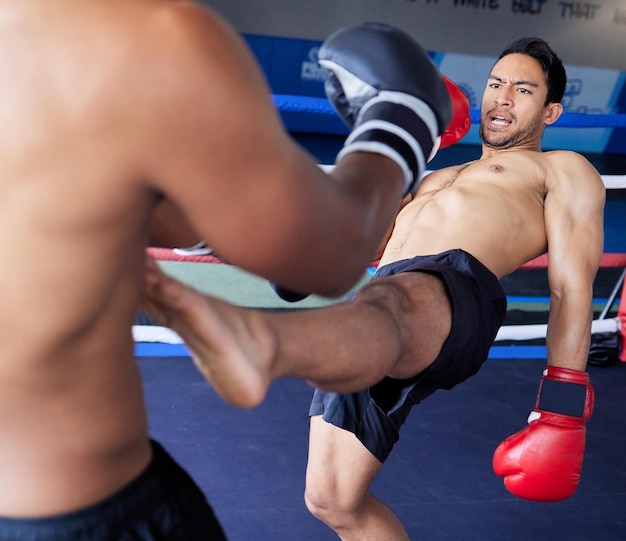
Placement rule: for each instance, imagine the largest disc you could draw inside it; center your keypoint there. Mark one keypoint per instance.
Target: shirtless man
(108, 109)
(428, 318)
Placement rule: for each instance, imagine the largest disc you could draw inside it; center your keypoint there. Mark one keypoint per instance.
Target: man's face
(513, 109)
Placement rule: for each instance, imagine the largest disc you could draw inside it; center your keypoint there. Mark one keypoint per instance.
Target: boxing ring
(439, 480)
(315, 115)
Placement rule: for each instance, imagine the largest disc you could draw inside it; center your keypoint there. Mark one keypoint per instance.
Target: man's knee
(316, 503)
(325, 504)
(318, 493)
(338, 475)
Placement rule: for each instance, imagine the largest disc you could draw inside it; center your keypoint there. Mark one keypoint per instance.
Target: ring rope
(290, 106)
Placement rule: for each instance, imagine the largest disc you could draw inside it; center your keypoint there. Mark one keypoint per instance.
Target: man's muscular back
(109, 107)
(75, 162)
(493, 208)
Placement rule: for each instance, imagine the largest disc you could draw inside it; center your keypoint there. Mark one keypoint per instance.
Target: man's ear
(553, 112)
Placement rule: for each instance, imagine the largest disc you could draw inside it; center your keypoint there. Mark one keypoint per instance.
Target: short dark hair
(551, 64)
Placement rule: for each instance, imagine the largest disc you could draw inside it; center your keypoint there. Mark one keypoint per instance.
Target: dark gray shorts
(478, 309)
(162, 504)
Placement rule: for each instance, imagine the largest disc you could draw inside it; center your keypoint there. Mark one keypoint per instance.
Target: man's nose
(504, 98)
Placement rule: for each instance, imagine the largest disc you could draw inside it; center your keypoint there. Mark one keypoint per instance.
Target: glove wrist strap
(398, 126)
(565, 397)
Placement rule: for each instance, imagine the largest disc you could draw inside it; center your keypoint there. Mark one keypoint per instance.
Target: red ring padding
(167, 254)
(608, 260)
(621, 316)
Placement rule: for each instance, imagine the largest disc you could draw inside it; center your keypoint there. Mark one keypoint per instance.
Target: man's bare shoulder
(191, 84)
(572, 167)
(565, 157)
(183, 37)
(191, 26)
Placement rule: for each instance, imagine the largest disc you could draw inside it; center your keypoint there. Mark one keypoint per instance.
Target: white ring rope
(155, 333)
(614, 182)
(534, 332)
(517, 333)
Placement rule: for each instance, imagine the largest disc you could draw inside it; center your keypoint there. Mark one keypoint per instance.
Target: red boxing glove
(461, 121)
(543, 461)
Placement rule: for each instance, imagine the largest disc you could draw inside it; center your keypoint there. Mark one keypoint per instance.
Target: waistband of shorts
(456, 258)
(137, 497)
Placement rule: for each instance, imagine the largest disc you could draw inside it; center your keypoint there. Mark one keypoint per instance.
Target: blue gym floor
(438, 479)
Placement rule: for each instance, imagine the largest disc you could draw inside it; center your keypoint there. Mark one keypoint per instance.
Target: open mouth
(499, 120)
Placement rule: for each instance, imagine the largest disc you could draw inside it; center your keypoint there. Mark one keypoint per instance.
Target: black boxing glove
(288, 295)
(390, 94)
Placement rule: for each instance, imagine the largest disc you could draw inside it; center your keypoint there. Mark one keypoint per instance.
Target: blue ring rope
(288, 104)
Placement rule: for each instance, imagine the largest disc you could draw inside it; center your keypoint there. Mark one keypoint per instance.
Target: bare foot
(229, 345)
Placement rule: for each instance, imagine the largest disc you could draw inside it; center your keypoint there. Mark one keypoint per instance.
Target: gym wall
(464, 37)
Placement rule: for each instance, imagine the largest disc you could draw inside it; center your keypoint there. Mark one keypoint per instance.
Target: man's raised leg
(394, 326)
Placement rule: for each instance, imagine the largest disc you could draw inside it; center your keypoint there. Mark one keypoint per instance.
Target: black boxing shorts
(478, 309)
(162, 504)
